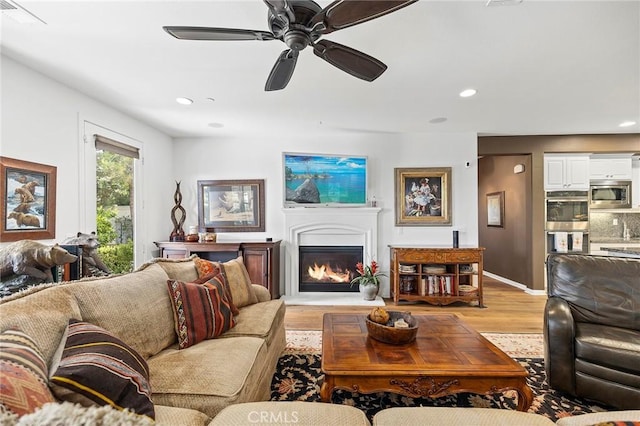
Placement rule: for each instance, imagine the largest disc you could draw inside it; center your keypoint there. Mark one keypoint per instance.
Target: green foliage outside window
(118, 257)
(114, 177)
(105, 231)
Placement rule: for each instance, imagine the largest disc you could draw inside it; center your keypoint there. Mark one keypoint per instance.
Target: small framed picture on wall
(495, 209)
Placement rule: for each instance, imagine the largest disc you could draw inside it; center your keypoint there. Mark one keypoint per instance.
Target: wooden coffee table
(447, 357)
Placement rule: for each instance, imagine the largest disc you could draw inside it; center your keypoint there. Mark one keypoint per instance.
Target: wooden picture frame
(423, 196)
(28, 194)
(495, 209)
(231, 205)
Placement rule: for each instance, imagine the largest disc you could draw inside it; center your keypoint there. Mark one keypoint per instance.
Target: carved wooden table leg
(525, 397)
(326, 389)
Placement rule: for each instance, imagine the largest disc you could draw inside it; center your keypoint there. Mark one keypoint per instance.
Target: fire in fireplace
(328, 268)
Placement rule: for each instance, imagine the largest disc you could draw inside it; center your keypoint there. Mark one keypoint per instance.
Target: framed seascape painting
(495, 209)
(231, 205)
(324, 180)
(28, 200)
(423, 196)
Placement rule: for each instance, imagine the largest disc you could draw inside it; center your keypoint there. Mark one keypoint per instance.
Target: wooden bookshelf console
(439, 276)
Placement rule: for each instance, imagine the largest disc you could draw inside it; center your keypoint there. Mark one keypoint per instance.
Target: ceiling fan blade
(281, 8)
(345, 13)
(349, 60)
(207, 33)
(282, 70)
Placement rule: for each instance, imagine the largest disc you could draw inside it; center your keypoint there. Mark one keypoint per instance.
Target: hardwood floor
(508, 310)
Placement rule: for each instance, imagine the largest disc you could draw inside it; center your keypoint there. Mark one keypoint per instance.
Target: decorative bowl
(394, 335)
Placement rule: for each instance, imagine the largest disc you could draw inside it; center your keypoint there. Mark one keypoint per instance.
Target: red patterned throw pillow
(205, 267)
(94, 367)
(201, 311)
(23, 374)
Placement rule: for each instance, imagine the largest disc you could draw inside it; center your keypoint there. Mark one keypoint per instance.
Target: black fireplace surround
(328, 268)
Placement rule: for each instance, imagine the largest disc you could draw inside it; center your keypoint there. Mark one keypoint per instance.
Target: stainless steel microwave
(610, 194)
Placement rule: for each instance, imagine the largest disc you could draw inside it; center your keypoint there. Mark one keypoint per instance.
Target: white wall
(635, 188)
(260, 157)
(42, 122)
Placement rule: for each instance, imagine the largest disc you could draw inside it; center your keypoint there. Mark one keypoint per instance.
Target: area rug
(299, 377)
(522, 345)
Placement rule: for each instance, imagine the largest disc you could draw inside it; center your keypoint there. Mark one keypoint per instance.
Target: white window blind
(106, 144)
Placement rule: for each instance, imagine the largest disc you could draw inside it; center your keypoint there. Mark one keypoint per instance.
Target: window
(112, 196)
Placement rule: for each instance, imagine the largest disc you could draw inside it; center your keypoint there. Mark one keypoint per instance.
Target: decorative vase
(369, 291)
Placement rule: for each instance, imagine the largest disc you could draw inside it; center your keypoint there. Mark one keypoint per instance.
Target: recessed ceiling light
(216, 125)
(468, 93)
(438, 120)
(211, 99)
(627, 124)
(184, 101)
(502, 2)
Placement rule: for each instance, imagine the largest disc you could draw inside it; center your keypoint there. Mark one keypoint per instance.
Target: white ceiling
(541, 67)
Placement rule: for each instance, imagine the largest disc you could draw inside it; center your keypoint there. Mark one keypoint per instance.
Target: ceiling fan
(300, 23)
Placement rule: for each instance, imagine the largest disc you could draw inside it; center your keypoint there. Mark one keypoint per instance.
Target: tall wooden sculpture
(177, 218)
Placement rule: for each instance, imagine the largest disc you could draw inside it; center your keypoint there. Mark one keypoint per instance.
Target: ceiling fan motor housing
(295, 34)
(296, 39)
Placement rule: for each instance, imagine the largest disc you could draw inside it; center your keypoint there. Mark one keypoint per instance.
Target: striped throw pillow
(23, 374)
(201, 311)
(94, 367)
(219, 277)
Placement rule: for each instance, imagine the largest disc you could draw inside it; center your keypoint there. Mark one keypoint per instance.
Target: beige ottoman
(290, 413)
(445, 416)
(595, 418)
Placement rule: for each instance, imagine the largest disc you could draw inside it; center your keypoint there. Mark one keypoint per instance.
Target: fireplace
(328, 227)
(328, 268)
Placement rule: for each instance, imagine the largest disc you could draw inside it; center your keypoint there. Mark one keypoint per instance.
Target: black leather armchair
(592, 328)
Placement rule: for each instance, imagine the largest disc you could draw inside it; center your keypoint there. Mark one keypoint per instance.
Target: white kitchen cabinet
(566, 172)
(610, 169)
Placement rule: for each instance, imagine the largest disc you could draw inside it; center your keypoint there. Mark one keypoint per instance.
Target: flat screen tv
(324, 180)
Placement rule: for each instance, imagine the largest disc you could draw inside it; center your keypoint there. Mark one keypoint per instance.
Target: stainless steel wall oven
(567, 211)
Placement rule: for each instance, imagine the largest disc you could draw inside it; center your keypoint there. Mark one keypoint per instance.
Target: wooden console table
(261, 258)
(439, 276)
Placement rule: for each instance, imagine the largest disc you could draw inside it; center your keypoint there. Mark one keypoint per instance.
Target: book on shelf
(439, 285)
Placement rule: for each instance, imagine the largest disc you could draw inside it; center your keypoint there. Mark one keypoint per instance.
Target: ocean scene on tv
(325, 179)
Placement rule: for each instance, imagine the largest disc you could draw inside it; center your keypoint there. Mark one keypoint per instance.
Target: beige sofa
(189, 386)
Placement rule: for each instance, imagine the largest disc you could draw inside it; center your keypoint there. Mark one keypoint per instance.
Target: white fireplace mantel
(326, 226)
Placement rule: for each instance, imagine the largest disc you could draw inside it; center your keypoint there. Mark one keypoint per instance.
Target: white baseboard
(515, 284)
